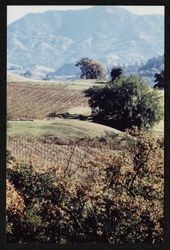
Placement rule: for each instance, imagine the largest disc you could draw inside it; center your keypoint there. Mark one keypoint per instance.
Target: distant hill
(109, 34)
(152, 66)
(147, 70)
(156, 63)
(68, 69)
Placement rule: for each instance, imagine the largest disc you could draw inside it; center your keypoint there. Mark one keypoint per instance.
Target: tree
(126, 103)
(115, 73)
(91, 69)
(159, 80)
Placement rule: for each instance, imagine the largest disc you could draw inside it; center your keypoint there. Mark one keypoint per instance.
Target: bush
(159, 80)
(125, 103)
(115, 73)
(14, 210)
(38, 190)
(120, 201)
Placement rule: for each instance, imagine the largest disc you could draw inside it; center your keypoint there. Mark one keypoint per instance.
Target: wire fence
(29, 149)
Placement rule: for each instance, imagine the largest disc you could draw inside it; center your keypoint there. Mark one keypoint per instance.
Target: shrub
(37, 188)
(120, 201)
(159, 80)
(115, 73)
(14, 210)
(125, 103)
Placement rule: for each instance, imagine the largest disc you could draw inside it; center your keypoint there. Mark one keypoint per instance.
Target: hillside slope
(33, 101)
(62, 128)
(106, 33)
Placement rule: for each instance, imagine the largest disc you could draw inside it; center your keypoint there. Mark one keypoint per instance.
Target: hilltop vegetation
(91, 69)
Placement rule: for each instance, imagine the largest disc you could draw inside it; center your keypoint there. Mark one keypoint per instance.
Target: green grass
(158, 129)
(58, 127)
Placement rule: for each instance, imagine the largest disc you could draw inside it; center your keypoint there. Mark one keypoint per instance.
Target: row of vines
(27, 101)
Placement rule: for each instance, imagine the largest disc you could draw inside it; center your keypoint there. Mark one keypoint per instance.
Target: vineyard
(37, 101)
(47, 154)
(69, 178)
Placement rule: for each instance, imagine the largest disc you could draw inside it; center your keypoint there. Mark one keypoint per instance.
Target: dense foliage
(91, 69)
(115, 73)
(125, 103)
(120, 201)
(159, 80)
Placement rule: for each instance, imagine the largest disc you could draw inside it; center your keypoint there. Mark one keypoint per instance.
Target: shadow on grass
(70, 116)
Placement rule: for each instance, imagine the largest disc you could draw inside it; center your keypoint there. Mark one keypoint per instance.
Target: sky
(16, 12)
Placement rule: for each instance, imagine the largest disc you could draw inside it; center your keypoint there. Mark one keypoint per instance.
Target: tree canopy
(125, 103)
(91, 69)
(159, 80)
(115, 73)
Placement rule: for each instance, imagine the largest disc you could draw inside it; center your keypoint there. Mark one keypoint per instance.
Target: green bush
(159, 80)
(125, 103)
(115, 73)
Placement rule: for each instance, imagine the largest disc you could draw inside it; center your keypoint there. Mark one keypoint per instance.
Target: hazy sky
(16, 12)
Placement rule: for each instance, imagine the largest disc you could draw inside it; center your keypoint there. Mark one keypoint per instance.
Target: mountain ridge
(110, 34)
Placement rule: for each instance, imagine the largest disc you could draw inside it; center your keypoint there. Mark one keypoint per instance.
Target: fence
(28, 149)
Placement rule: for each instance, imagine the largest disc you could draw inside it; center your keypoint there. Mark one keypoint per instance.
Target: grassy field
(58, 127)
